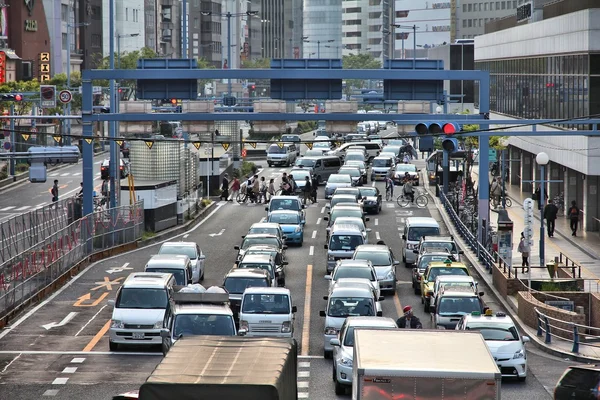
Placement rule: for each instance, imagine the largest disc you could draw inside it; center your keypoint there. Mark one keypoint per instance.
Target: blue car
(291, 223)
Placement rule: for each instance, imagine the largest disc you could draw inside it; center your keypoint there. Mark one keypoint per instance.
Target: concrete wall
(594, 316)
(505, 285)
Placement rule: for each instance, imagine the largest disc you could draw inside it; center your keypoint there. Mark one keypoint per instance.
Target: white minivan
(267, 311)
(414, 229)
(285, 154)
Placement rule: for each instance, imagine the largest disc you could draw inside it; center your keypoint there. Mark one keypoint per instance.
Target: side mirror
(380, 298)
(321, 313)
(325, 297)
(461, 252)
(303, 206)
(202, 257)
(481, 293)
(302, 222)
(403, 237)
(526, 339)
(242, 332)
(285, 263)
(367, 219)
(325, 246)
(327, 277)
(380, 313)
(369, 229)
(236, 247)
(243, 236)
(396, 262)
(285, 247)
(165, 333)
(334, 342)
(111, 302)
(328, 205)
(294, 309)
(325, 218)
(266, 208)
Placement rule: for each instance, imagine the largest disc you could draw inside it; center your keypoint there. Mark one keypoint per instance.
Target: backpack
(573, 212)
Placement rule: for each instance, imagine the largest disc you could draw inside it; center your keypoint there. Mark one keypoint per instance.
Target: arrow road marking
(217, 234)
(80, 301)
(65, 321)
(118, 269)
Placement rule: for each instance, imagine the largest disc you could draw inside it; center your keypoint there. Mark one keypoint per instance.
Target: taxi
(435, 269)
(503, 340)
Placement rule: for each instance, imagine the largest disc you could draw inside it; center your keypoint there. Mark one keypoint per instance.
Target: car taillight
(418, 277)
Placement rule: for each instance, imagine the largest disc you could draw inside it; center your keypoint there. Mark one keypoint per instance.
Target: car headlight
(519, 354)
(286, 327)
(158, 324)
(441, 327)
(346, 361)
(298, 229)
(390, 275)
(329, 330)
(114, 323)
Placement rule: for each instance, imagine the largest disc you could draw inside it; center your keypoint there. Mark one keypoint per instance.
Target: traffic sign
(493, 155)
(7, 145)
(65, 96)
(244, 152)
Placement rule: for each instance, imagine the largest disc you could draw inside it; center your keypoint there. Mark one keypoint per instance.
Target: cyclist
(407, 189)
(389, 187)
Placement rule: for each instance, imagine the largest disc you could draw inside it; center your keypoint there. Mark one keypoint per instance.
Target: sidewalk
(581, 249)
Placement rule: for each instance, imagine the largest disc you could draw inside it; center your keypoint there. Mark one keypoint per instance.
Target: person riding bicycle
(407, 189)
(408, 320)
(389, 185)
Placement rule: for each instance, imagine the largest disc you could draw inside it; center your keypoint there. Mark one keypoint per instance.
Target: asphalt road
(72, 360)
(26, 196)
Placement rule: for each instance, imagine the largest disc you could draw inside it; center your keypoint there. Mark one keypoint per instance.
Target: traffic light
(436, 128)
(252, 90)
(174, 102)
(450, 145)
(12, 97)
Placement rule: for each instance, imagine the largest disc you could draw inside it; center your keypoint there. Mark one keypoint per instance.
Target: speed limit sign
(65, 96)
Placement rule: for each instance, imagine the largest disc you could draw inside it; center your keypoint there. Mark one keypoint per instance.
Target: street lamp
(319, 45)
(414, 28)
(542, 160)
(119, 46)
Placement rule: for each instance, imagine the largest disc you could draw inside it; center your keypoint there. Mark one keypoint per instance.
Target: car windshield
(452, 306)
(266, 304)
(349, 272)
(396, 142)
(450, 246)
(391, 149)
(178, 274)
(344, 199)
(265, 267)
(321, 144)
(426, 259)
(368, 191)
(357, 164)
(347, 190)
(284, 204)
(275, 149)
(500, 332)
(377, 258)
(354, 172)
(285, 218)
(292, 138)
(339, 179)
(382, 162)
(264, 231)
(355, 156)
(269, 241)
(435, 272)
(237, 285)
(203, 324)
(300, 175)
(262, 251)
(406, 168)
(143, 298)
(311, 153)
(345, 242)
(189, 251)
(416, 233)
(343, 307)
(351, 221)
(306, 162)
(346, 213)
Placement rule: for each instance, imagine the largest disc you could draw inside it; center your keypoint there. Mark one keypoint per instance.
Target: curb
(485, 275)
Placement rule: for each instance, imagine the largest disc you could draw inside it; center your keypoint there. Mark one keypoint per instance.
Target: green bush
(205, 203)
(561, 286)
(307, 126)
(19, 168)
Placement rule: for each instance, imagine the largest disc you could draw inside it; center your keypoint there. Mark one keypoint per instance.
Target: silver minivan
(267, 311)
(190, 249)
(178, 265)
(281, 155)
(323, 167)
(343, 240)
(414, 229)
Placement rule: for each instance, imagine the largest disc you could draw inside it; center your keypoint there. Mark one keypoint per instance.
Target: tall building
(129, 19)
(549, 68)
(205, 27)
(151, 28)
(276, 32)
(472, 15)
(433, 22)
(322, 21)
(366, 26)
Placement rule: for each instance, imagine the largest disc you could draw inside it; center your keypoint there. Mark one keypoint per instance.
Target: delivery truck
(225, 367)
(424, 365)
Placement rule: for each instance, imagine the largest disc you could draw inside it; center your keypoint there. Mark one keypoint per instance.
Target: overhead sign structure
(65, 96)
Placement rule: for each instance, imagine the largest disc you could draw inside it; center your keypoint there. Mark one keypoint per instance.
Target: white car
(503, 340)
(358, 269)
(190, 249)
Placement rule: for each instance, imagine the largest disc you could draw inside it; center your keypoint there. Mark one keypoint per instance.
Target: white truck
(446, 365)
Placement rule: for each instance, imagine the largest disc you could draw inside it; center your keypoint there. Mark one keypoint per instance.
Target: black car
(277, 254)
(581, 382)
(256, 240)
(371, 199)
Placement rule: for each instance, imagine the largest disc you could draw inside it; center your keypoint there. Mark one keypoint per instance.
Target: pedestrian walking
(235, 188)
(314, 186)
(225, 188)
(54, 191)
(524, 249)
(255, 188)
(537, 197)
(307, 189)
(262, 190)
(573, 214)
(408, 320)
(550, 212)
(271, 189)
(496, 192)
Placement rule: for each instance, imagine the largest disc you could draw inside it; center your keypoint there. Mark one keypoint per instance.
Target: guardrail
(546, 328)
(574, 264)
(28, 273)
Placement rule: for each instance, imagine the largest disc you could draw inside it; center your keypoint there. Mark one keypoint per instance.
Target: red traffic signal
(450, 128)
(253, 87)
(18, 97)
(174, 101)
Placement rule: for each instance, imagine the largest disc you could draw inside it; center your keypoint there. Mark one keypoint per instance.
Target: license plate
(138, 335)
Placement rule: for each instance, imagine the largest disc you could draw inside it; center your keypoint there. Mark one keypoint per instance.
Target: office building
(457, 57)
(472, 15)
(205, 28)
(129, 19)
(321, 27)
(276, 32)
(550, 69)
(366, 28)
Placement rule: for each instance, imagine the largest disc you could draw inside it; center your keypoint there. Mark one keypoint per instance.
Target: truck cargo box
(423, 364)
(219, 367)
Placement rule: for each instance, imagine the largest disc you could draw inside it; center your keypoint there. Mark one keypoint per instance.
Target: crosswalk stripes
(303, 379)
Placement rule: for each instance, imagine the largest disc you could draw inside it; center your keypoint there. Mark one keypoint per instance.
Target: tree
(358, 61)
(126, 60)
(261, 63)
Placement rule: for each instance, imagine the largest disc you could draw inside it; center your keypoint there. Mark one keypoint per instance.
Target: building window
(64, 12)
(96, 40)
(353, 10)
(497, 5)
(504, 5)
(464, 23)
(480, 6)
(166, 14)
(470, 7)
(196, 23)
(64, 41)
(486, 20)
(485, 6)
(480, 22)
(196, 3)
(464, 8)
(470, 23)
(515, 4)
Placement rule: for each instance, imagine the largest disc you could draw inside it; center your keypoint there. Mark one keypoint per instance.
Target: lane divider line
(60, 381)
(91, 319)
(318, 221)
(69, 370)
(314, 234)
(376, 221)
(323, 210)
(9, 364)
(307, 298)
(311, 251)
(90, 346)
(377, 235)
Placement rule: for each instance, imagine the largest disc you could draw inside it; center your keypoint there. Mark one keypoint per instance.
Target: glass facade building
(322, 23)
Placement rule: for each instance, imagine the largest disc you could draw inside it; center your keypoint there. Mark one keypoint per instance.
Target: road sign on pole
(48, 96)
(65, 96)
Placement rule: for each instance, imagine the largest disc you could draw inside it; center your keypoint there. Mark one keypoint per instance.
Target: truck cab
(267, 312)
(193, 314)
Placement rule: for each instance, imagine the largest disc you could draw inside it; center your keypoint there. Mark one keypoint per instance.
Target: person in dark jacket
(573, 214)
(537, 197)
(306, 190)
(225, 188)
(314, 186)
(409, 321)
(550, 212)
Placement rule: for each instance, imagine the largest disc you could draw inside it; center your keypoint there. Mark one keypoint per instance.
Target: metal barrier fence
(25, 230)
(571, 332)
(483, 255)
(40, 265)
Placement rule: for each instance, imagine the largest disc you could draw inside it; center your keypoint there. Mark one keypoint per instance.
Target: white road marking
(7, 208)
(41, 205)
(50, 392)
(304, 364)
(311, 251)
(373, 185)
(377, 236)
(65, 174)
(53, 174)
(390, 205)
(12, 361)
(186, 236)
(60, 381)
(318, 221)
(64, 321)
(303, 395)
(303, 374)
(122, 268)
(77, 174)
(22, 208)
(376, 221)
(314, 234)
(91, 319)
(77, 360)
(69, 370)
(302, 384)
(323, 210)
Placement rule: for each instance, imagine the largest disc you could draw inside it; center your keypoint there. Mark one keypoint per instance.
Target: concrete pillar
(526, 172)
(555, 175)
(571, 192)
(515, 166)
(590, 203)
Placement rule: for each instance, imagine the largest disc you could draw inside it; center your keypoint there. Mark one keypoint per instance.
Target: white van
(414, 229)
(267, 312)
(284, 155)
(343, 240)
(323, 167)
(178, 265)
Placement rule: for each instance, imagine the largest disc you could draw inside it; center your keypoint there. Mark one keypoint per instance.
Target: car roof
(265, 225)
(382, 158)
(441, 264)
(367, 322)
(338, 175)
(347, 189)
(343, 195)
(346, 206)
(428, 221)
(256, 258)
(456, 292)
(352, 282)
(437, 239)
(262, 247)
(147, 280)
(345, 228)
(247, 273)
(489, 319)
(373, 248)
(285, 198)
(267, 290)
(178, 244)
(454, 278)
(349, 220)
(354, 264)
(201, 308)
(353, 291)
(275, 212)
(260, 235)
(168, 260)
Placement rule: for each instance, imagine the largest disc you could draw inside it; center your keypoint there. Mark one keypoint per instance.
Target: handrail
(544, 328)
